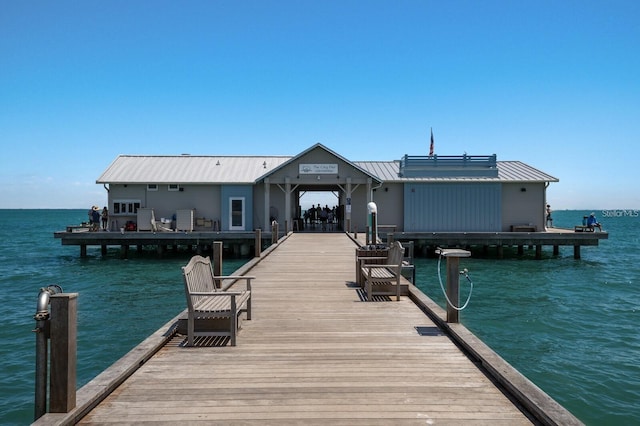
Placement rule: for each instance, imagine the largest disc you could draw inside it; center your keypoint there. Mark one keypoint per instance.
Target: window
(152, 187)
(236, 213)
(173, 187)
(125, 207)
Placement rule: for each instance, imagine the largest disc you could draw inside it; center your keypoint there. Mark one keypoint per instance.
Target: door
(237, 214)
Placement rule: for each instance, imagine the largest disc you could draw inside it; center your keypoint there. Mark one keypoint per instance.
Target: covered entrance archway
(315, 171)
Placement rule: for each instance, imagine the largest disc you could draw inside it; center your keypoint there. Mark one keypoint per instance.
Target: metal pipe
(42, 334)
(42, 310)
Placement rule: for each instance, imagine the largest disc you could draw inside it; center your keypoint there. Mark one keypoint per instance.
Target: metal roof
(320, 146)
(182, 169)
(508, 171)
(193, 169)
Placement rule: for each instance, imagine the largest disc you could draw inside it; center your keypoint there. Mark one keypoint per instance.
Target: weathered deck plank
(314, 353)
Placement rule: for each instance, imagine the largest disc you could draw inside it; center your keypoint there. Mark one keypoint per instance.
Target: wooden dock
(244, 242)
(316, 353)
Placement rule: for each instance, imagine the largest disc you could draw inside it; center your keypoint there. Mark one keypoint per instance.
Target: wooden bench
(79, 228)
(583, 228)
(523, 228)
(389, 228)
(208, 297)
(379, 277)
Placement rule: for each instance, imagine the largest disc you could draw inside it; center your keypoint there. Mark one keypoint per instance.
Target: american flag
(431, 146)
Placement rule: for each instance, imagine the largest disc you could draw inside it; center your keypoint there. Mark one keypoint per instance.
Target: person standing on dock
(313, 213)
(95, 218)
(105, 218)
(549, 219)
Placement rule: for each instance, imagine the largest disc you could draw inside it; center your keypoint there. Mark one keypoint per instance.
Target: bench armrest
(380, 266)
(216, 293)
(363, 260)
(233, 279)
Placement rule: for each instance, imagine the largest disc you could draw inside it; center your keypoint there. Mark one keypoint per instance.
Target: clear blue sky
(555, 84)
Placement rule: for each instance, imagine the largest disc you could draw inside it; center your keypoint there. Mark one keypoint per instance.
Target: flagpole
(431, 144)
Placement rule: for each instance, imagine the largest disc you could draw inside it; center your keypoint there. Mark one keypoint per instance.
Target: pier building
(467, 200)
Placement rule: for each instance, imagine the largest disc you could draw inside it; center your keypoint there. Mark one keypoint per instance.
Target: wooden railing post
(453, 281)
(453, 288)
(274, 232)
(258, 243)
(62, 389)
(217, 258)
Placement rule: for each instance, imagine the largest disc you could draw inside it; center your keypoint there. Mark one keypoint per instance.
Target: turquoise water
(120, 302)
(568, 325)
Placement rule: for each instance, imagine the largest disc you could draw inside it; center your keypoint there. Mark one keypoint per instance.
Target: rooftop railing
(448, 165)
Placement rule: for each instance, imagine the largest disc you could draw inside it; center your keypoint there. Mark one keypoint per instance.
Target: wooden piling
(258, 243)
(217, 258)
(62, 389)
(453, 289)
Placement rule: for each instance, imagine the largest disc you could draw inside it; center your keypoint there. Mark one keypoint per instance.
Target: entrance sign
(318, 169)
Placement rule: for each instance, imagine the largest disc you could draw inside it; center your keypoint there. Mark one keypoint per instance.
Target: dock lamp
(372, 221)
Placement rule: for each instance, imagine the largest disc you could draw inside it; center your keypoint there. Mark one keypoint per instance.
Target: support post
(374, 228)
(42, 362)
(372, 210)
(274, 232)
(62, 390)
(453, 280)
(258, 243)
(453, 288)
(217, 258)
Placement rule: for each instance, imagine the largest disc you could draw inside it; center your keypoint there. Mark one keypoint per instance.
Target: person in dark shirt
(95, 218)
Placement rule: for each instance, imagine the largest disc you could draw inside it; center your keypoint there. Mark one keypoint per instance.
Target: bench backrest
(396, 254)
(198, 278)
